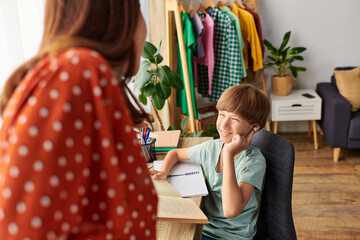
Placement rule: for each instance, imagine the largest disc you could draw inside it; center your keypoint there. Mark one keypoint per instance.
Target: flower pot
(281, 86)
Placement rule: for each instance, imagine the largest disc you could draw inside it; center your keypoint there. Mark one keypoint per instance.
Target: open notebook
(172, 207)
(186, 177)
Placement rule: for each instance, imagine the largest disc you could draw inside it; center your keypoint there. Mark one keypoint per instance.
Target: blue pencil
(147, 135)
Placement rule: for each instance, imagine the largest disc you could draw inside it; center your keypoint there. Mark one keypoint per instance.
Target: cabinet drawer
(288, 111)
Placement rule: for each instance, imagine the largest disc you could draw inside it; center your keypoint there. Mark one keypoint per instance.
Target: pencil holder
(149, 149)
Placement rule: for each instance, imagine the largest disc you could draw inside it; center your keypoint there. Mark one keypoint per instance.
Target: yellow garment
(250, 36)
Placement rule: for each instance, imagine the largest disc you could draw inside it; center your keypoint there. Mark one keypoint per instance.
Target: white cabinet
(297, 107)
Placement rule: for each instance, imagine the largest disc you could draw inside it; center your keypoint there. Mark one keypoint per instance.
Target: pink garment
(208, 59)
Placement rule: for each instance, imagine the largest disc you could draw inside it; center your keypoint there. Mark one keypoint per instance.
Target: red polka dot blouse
(70, 162)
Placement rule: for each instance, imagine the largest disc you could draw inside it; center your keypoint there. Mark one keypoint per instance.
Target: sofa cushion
(348, 83)
(333, 80)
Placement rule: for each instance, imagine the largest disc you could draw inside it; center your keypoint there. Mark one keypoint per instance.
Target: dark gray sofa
(340, 125)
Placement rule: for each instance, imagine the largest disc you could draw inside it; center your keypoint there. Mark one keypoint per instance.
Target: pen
(183, 174)
(147, 135)
(143, 134)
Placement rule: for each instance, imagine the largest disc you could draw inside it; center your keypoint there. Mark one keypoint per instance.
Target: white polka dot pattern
(69, 155)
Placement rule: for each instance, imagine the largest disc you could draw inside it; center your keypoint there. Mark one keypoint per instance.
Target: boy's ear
(256, 128)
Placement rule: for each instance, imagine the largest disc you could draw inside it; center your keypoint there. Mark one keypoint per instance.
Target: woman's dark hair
(106, 26)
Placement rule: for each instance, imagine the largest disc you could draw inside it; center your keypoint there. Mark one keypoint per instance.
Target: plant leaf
(199, 133)
(178, 82)
(293, 71)
(184, 122)
(165, 75)
(158, 49)
(270, 47)
(296, 50)
(162, 91)
(293, 58)
(142, 80)
(212, 128)
(158, 102)
(300, 69)
(149, 51)
(170, 128)
(285, 40)
(149, 90)
(272, 58)
(269, 64)
(142, 99)
(158, 59)
(284, 54)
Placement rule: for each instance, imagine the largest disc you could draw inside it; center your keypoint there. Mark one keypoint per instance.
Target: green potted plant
(281, 61)
(154, 81)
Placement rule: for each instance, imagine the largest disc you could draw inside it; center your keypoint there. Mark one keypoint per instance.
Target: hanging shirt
(235, 21)
(190, 49)
(204, 67)
(70, 162)
(258, 28)
(250, 37)
(227, 68)
(198, 31)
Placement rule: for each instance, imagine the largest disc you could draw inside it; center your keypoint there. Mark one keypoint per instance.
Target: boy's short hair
(246, 101)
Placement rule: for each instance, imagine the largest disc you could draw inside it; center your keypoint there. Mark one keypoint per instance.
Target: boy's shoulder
(214, 143)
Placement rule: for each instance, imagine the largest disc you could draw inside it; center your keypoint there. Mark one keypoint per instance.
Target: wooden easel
(173, 6)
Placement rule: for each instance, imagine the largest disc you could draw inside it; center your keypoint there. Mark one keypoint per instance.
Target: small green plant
(282, 58)
(155, 82)
(211, 130)
(184, 130)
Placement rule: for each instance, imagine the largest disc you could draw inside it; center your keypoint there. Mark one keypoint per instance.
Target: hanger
(229, 4)
(240, 4)
(220, 4)
(201, 7)
(182, 8)
(191, 8)
(209, 4)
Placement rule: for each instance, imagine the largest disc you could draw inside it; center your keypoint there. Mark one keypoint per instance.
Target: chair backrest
(275, 218)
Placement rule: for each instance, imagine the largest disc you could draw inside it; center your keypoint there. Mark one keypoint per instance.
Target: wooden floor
(326, 196)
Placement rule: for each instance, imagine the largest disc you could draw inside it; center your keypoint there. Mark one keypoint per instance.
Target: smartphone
(308, 95)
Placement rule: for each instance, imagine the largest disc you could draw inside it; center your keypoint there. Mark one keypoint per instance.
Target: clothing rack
(173, 6)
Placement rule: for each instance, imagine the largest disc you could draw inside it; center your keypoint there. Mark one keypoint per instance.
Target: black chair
(275, 218)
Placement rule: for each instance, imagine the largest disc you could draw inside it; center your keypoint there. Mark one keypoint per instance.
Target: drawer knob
(296, 105)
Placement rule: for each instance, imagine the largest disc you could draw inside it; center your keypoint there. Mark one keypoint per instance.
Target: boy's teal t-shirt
(250, 167)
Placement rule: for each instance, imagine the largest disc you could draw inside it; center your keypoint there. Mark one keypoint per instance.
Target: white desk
(296, 107)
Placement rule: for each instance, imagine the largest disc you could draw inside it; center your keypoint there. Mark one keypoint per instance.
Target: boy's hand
(157, 175)
(238, 143)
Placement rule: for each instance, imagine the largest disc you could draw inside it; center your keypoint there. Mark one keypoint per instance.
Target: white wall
(20, 33)
(329, 29)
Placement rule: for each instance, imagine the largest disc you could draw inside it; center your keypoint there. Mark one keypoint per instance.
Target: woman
(70, 164)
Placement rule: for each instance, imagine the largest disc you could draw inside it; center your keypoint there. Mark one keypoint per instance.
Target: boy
(234, 168)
